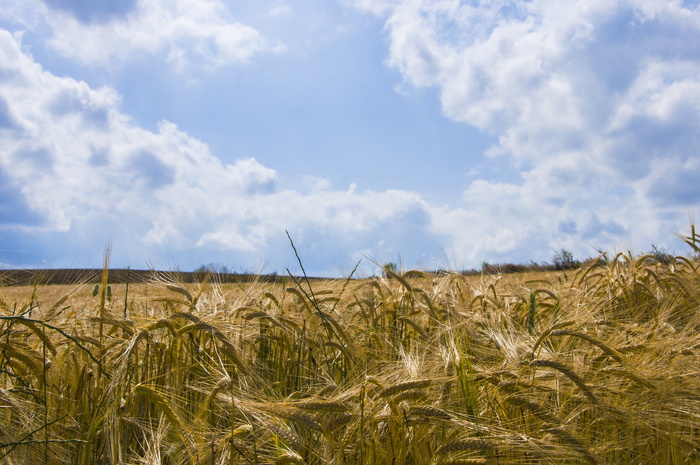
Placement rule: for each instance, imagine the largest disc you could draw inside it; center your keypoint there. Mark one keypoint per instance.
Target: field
(593, 366)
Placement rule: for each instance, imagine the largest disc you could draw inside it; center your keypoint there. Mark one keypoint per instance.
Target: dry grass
(602, 366)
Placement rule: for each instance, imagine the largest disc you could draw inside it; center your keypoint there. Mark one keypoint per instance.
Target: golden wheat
(600, 367)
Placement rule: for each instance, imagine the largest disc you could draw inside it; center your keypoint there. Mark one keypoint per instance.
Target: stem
(103, 297)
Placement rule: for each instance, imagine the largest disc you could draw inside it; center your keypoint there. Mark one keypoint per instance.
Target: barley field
(599, 365)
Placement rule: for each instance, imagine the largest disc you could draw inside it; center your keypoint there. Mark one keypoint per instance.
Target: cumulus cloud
(184, 32)
(596, 102)
(71, 162)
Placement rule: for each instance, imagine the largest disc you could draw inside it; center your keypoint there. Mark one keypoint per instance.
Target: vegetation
(600, 365)
(564, 260)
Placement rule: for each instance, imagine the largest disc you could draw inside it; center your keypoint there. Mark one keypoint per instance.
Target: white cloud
(77, 164)
(183, 32)
(596, 102)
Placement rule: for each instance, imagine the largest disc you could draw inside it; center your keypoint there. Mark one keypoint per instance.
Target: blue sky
(435, 133)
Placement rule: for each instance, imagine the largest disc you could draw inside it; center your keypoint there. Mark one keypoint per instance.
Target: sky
(428, 133)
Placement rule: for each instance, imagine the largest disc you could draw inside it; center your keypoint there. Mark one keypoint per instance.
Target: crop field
(599, 365)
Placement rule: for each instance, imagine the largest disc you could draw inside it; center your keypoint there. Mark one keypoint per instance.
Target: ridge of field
(50, 276)
(27, 277)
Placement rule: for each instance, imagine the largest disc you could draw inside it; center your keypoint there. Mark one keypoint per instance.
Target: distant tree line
(562, 260)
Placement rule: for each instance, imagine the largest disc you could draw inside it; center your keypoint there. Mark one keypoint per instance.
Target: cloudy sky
(434, 133)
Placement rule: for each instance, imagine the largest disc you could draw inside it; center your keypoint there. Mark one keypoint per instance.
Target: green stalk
(103, 297)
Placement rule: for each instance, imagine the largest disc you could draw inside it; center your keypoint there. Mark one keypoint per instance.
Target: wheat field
(595, 366)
